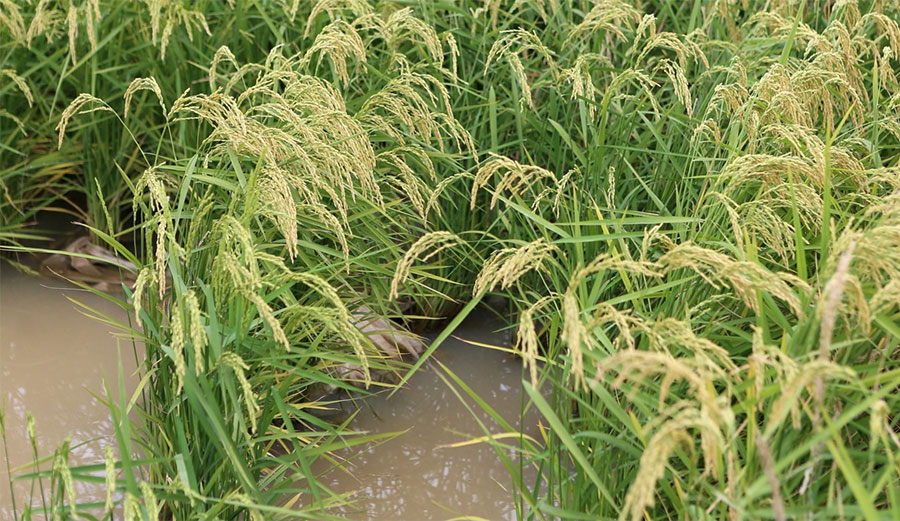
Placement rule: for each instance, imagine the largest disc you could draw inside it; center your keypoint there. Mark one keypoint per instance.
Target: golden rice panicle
(668, 333)
(411, 103)
(515, 178)
(83, 104)
(574, 332)
(507, 265)
(139, 84)
(612, 17)
(527, 341)
(676, 76)
(132, 508)
(274, 191)
(642, 80)
(575, 337)
(511, 46)
(234, 267)
(46, 21)
(145, 278)
(580, 77)
(197, 330)
(268, 316)
(20, 83)
(642, 491)
(880, 430)
(152, 181)
(744, 277)
(425, 248)
(838, 284)
(672, 434)
(435, 197)
(223, 54)
(354, 9)
(167, 15)
(453, 52)
(408, 181)
(403, 26)
(176, 325)
(339, 41)
(239, 368)
(12, 21)
(806, 378)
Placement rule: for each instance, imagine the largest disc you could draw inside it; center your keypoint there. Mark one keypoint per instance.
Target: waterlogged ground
(52, 358)
(415, 475)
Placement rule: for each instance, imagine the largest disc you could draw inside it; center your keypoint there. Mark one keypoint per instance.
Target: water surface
(52, 357)
(415, 476)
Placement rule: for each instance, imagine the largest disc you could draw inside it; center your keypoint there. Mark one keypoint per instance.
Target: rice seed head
(61, 477)
(506, 266)
(354, 9)
(672, 434)
(239, 368)
(511, 46)
(527, 342)
(154, 183)
(110, 477)
(197, 330)
(676, 76)
(514, 177)
(20, 83)
(139, 84)
(223, 54)
(425, 248)
(145, 279)
(72, 22)
(402, 25)
(177, 327)
(809, 375)
(833, 293)
(338, 41)
(743, 277)
(132, 508)
(151, 504)
(610, 16)
(768, 464)
(83, 104)
(11, 19)
(167, 15)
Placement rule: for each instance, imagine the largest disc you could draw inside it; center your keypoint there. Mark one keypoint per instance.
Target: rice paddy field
(685, 214)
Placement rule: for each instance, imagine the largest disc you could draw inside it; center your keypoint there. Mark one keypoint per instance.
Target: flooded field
(417, 475)
(52, 358)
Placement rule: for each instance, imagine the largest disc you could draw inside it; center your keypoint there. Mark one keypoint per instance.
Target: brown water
(51, 358)
(415, 476)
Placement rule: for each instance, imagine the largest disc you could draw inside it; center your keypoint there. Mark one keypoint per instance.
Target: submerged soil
(52, 357)
(416, 475)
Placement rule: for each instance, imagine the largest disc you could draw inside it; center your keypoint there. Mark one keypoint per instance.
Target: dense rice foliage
(693, 208)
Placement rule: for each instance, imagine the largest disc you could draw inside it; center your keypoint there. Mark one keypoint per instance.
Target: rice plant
(692, 207)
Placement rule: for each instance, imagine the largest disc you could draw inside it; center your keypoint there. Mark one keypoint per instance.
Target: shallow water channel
(52, 357)
(416, 475)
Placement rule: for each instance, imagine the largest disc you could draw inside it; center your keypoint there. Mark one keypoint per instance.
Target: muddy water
(415, 476)
(51, 358)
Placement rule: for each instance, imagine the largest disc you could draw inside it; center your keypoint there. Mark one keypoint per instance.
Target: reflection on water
(51, 358)
(412, 476)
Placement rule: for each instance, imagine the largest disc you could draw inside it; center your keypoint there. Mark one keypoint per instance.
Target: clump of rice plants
(692, 207)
